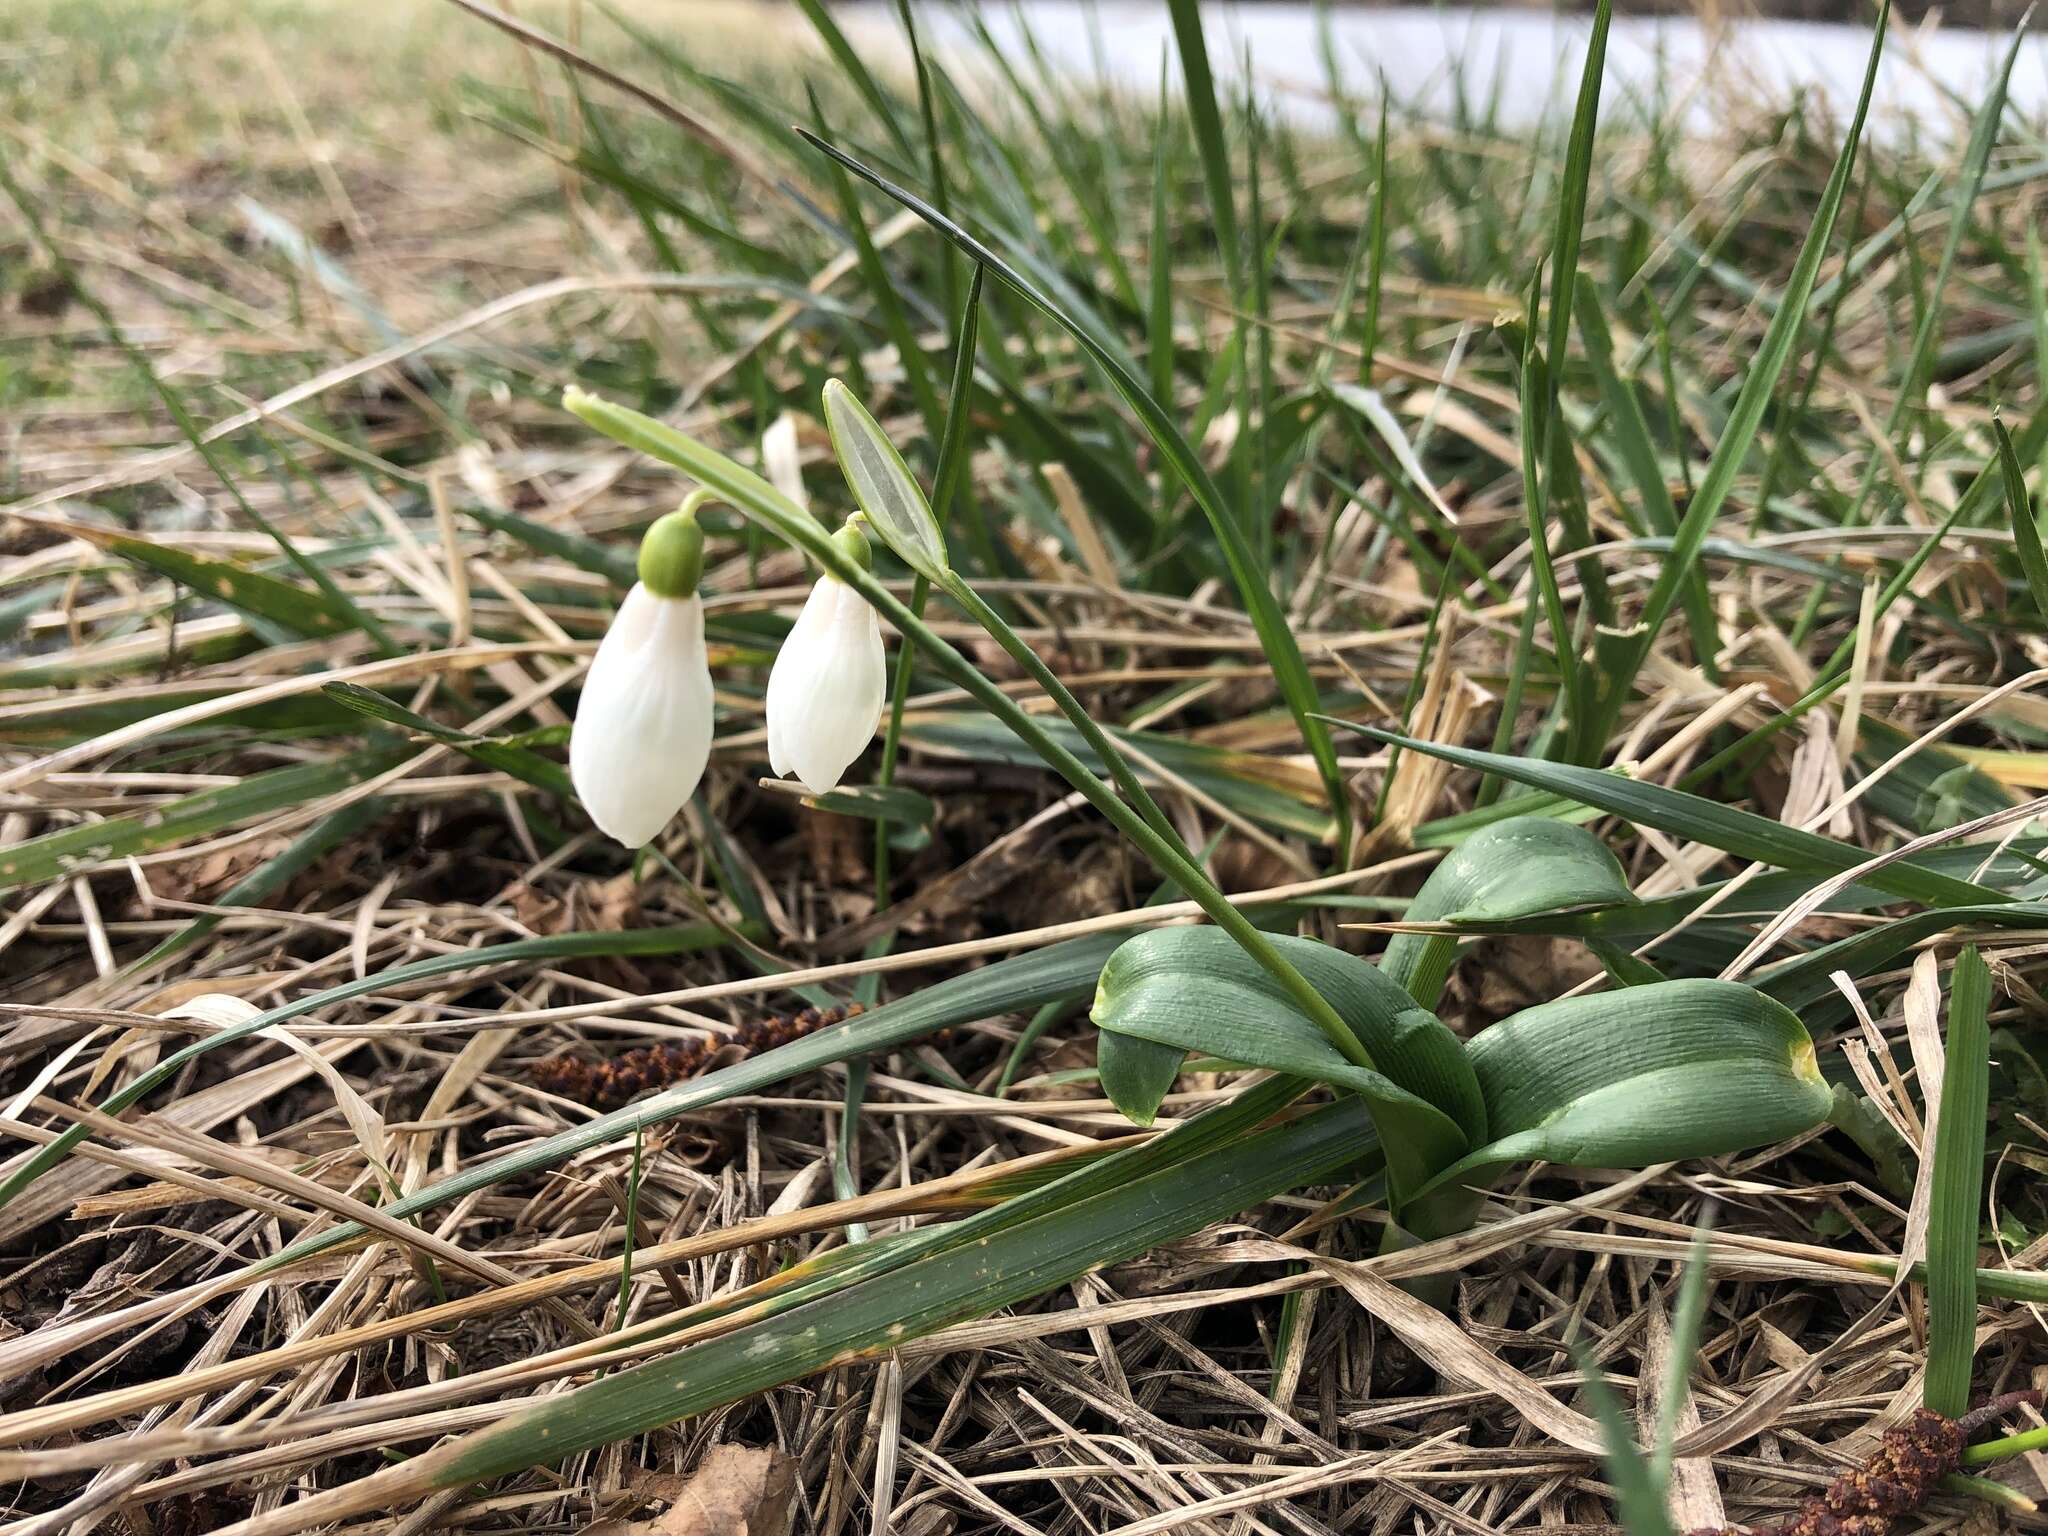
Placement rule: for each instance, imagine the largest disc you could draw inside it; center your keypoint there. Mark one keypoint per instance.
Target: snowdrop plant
(1716, 1067)
(643, 726)
(825, 692)
(1417, 1122)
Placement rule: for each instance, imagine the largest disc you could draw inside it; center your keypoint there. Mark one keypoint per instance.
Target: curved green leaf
(1193, 989)
(1137, 1073)
(1621, 1080)
(1520, 868)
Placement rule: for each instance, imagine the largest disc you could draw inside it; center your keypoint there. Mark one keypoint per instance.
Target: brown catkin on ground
(618, 1079)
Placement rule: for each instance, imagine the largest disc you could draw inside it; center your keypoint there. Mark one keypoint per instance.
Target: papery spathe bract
(883, 485)
(825, 691)
(643, 727)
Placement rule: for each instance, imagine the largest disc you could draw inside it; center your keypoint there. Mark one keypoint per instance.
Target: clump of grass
(1321, 505)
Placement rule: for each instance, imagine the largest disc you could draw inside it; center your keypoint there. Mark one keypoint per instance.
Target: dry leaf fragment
(737, 1490)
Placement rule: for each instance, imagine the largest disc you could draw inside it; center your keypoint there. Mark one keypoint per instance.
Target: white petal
(643, 725)
(778, 749)
(826, 689)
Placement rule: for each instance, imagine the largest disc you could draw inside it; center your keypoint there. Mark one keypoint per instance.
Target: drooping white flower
(643, 725)
(825, 690)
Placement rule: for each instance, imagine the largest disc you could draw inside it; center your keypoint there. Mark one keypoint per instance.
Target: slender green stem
(2011, 1445)
(632, 1233)
(1995, 1494)
(1092, 733)
(754, 495)
(892, 744)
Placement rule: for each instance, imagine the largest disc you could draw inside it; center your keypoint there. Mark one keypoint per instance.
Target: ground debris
(609, 1083)
(737, 1490)
(1904, 1472)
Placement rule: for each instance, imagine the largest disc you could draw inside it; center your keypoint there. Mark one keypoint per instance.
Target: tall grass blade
(1958, 1188)
(1282, 651)
(1760, 382)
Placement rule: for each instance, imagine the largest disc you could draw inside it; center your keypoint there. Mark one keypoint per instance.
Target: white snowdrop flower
(643, 725)
(825, 691)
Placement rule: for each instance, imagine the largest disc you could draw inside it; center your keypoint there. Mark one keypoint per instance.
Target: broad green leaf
(1957, 1204)
(1519, 868)
(884, 486)
(1653, 1073)
(1195, 990)
(1136, 1073)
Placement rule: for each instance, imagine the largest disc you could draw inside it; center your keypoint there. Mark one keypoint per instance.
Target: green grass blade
(1629, 429)
(1638, 1487)
(2026, 532)
(1958, 1198)
(262, 597)
(94, 845)
(506, 757)
(1282, 651)
(1760, 382)
(1060, 971)
(1742, 833)
(1208, 126)
(856, 71)
(964, 1280)
(1159, 259)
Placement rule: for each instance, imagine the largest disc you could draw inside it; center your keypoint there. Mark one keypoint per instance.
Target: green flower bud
(672, 554)
(852, 543)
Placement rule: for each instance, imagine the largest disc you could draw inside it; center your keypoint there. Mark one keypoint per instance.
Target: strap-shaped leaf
(1653, 1073)
(1522, 867)
(974, 1268)
(1194, 990)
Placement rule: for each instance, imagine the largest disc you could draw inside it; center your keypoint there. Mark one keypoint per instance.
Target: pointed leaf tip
(883, 485)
